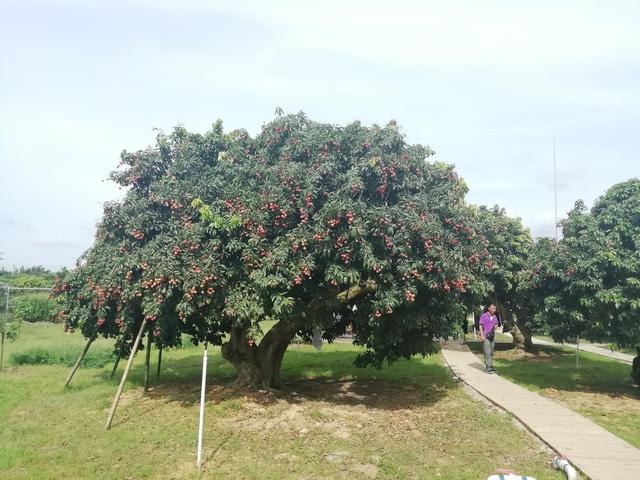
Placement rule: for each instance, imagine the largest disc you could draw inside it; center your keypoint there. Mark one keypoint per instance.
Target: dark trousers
(488, 346)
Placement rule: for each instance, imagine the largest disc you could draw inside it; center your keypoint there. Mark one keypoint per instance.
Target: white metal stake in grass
(1, 349)
(6, 319)
(577, 351)
(202, 391)
(146, 363)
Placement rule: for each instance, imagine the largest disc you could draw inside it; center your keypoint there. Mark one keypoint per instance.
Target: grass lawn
(500, 337)
(601, 389)
(627, 350)
(407, 421)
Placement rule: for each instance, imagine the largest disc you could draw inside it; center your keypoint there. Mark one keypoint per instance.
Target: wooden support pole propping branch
(134, 349)
(79, 361)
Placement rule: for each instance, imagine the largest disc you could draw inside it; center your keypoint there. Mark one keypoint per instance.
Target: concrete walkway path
(599, 454)
(593, 348)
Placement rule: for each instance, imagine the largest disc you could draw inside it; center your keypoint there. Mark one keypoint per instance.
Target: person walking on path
(488, 323)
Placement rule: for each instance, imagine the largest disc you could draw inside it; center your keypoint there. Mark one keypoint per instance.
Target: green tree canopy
(598, 270)
(509, 244)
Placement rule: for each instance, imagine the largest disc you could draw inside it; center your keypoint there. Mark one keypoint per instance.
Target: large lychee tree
(312, 225)
(510, 246)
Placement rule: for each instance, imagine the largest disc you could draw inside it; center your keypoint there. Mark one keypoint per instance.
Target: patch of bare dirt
(613, 403)
(367, 469)
(517, 354)
(338, 410)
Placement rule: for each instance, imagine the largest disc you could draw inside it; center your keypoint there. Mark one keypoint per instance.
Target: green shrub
(10, 327)
(35, 307)
(16, 279)
(33, 281)
(68, 357)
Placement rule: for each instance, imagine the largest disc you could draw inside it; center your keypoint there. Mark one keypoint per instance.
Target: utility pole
(555, 189)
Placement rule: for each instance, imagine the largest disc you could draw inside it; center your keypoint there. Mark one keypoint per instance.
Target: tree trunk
(527, 334)
(521, 321)
(635, 368)
(115, 364)
(115, 367)
(518, 337)
(271, 352)
(242, 355)
(259, 365)
(159, 360)
(507, 319)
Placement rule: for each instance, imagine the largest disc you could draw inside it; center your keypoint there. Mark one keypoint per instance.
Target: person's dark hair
(486, 309)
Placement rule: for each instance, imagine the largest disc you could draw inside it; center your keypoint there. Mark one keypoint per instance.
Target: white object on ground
(563, 464)
(202, 391)
(509, 476)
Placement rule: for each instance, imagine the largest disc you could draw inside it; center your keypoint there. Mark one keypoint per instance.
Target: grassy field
(627, 350)
(408, 421)
(500, 337)
(601, 389)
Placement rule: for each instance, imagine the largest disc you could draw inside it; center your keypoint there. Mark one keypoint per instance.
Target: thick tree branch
(356, 291)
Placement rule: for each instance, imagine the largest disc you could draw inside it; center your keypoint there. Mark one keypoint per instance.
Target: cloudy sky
(486, 84)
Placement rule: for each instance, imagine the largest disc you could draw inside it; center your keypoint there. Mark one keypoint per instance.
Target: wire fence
(33, 303)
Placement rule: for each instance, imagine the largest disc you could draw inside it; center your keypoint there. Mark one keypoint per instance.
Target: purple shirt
(488, 322)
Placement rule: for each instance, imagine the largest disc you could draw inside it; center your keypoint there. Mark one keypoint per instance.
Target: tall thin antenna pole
(555, 189)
